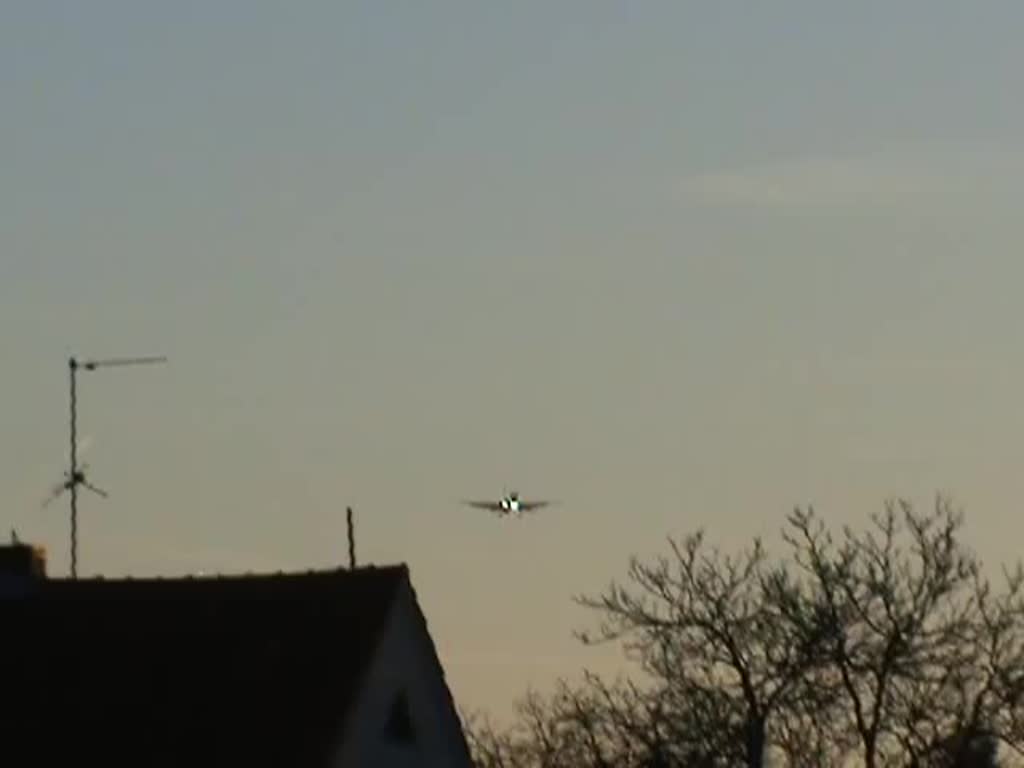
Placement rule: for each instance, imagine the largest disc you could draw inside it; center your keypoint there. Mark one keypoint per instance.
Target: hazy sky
(672, 264)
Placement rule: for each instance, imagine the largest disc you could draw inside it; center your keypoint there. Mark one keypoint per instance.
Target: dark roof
(254, 670)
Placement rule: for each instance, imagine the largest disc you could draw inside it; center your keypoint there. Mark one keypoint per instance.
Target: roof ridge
(239, 576)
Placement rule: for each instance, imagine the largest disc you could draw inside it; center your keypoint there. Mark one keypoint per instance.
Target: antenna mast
(77, 477)
(351, 539)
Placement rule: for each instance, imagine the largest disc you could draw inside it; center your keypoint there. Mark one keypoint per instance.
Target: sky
(673, 265)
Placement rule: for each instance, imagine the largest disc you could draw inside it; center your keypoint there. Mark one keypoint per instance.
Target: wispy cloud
(906, 183)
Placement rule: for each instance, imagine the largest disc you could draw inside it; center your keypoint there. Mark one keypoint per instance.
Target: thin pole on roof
(76, 476)
(351, 539)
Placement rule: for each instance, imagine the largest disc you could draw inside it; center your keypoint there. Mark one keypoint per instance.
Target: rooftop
(257, 669)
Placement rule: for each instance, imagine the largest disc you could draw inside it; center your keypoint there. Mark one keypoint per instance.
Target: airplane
(509, 504)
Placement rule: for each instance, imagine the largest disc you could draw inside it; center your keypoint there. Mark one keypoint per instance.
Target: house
(331, 668)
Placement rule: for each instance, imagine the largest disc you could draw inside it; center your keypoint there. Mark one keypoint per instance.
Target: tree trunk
(870, 741)
(755, 742)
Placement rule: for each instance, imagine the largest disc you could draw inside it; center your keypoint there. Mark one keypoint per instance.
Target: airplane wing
(491, 506)
(530, 506)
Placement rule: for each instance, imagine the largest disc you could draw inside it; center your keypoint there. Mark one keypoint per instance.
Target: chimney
(21, 567)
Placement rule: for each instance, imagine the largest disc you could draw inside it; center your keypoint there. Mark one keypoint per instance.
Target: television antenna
(76, 475)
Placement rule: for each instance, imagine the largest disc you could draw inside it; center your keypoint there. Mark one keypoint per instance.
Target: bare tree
(601, 725)
(887, 614)
(730, 635)
(590, 726)
(489, 747)
(887, 644)
(921, 652)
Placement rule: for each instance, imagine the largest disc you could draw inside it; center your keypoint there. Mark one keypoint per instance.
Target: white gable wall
(403, 662)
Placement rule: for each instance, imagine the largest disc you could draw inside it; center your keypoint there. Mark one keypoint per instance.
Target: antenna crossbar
(90, 365)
